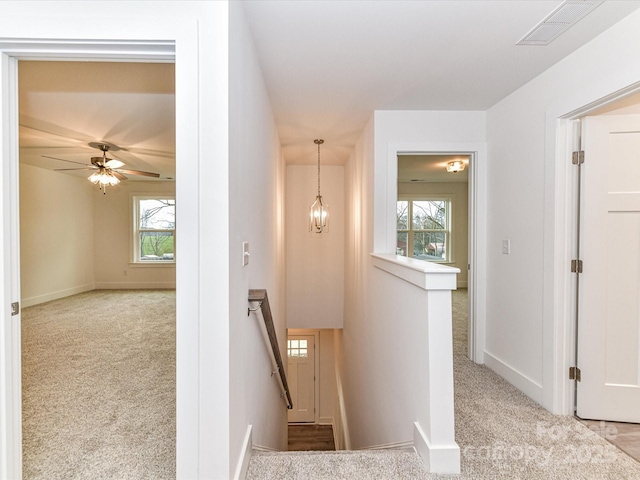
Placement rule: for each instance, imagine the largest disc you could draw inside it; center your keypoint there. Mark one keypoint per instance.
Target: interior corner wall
(524, 193)
(459, 193)
(56, 235)
(315, 262)
(256, 186)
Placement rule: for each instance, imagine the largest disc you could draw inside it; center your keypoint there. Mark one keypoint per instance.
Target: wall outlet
(506, 247)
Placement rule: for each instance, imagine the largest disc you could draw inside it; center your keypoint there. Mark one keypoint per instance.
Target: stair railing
(271, 340)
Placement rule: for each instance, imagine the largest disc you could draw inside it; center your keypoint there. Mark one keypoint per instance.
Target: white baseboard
(260, 448)
(47, 297)
(517, 379)
(437, 458)
(135, 286)
(325, 421)
(391, 446)
(245, 456)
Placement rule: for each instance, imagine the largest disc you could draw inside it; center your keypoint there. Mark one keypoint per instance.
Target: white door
(301, 373)
(609, 296)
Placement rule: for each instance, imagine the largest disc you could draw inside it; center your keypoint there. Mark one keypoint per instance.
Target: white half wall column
(434, 428)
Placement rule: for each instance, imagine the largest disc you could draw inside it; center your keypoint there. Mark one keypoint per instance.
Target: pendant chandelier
(319, 212)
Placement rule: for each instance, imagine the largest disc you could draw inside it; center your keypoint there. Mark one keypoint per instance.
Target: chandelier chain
(318, 142)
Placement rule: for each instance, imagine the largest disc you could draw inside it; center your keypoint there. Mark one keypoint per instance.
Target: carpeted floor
(502, 434)
(98, 374)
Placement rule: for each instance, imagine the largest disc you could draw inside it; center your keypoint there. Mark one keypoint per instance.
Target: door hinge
(577, 158)
(576, 266)
(15, 308)
(575, 374)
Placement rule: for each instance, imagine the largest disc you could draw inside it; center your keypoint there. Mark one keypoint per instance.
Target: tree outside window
(155, 229)
(423, 229)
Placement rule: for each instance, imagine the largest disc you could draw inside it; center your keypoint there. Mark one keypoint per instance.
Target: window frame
(410, 231)
(136, 259)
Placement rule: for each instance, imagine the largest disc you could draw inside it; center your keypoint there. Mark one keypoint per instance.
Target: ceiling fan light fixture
(455, 166)
(103, 178)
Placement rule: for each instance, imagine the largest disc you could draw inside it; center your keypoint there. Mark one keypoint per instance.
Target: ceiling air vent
(564, 16)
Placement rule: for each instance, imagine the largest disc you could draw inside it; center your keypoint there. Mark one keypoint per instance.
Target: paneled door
(301, 373)
(609, 285)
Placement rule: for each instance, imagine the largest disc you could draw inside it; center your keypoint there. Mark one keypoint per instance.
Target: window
(154, 235)
(297, 348)
(423, 229)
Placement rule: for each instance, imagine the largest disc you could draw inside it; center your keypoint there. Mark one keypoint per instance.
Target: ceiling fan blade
(63, 160)
(113, 163)
(138, 172)
(118, 175)
(69, 169)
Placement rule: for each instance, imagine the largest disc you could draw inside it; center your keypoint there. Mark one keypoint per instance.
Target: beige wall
(113, 236)
(74, 239)
(56, 235)
(460, 215)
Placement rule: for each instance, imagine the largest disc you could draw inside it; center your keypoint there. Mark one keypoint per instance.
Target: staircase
(343, 464)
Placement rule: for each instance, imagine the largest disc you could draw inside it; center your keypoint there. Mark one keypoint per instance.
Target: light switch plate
(506, 247)
(245, 253)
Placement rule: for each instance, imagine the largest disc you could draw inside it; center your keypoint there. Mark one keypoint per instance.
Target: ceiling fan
(108, 171)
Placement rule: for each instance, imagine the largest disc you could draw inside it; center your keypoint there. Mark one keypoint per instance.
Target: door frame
(164, 41)
(477, 223)
(316, 367)
(564, 332)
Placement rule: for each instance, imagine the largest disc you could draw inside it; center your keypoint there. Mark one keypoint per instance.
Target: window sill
(152, 264)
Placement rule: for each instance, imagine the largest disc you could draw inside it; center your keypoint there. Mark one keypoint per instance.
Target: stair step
(343, 464)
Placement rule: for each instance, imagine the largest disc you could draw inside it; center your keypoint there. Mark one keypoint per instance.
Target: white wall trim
(437, 458)
(391, 446)
(32, 35)
(67, 292)
(426, 275)
(325, 421)
(516, 378)
(245, 456)
(135, 286)
(262, 448)
(559, 295)
(477, 152)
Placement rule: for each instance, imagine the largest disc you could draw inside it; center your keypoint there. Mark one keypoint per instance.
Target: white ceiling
(431, 169)
(327, 64)
(66, 106)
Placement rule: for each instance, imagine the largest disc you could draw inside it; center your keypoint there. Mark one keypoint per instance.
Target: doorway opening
(187, 298)
(602, 189)
(68, 109)
(434, 223)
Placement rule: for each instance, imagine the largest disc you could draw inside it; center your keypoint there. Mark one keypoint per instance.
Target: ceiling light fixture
(455, 166)
(319, 211)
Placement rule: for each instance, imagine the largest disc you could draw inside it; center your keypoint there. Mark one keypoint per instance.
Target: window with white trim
(423, 228)
(154, 235)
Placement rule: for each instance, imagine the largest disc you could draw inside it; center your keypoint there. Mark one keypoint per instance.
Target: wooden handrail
(269, 333)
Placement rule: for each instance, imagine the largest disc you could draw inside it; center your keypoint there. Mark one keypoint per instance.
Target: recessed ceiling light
(557, 22)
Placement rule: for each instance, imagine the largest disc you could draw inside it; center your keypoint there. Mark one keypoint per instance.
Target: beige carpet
(502, 434)
(98, 377)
